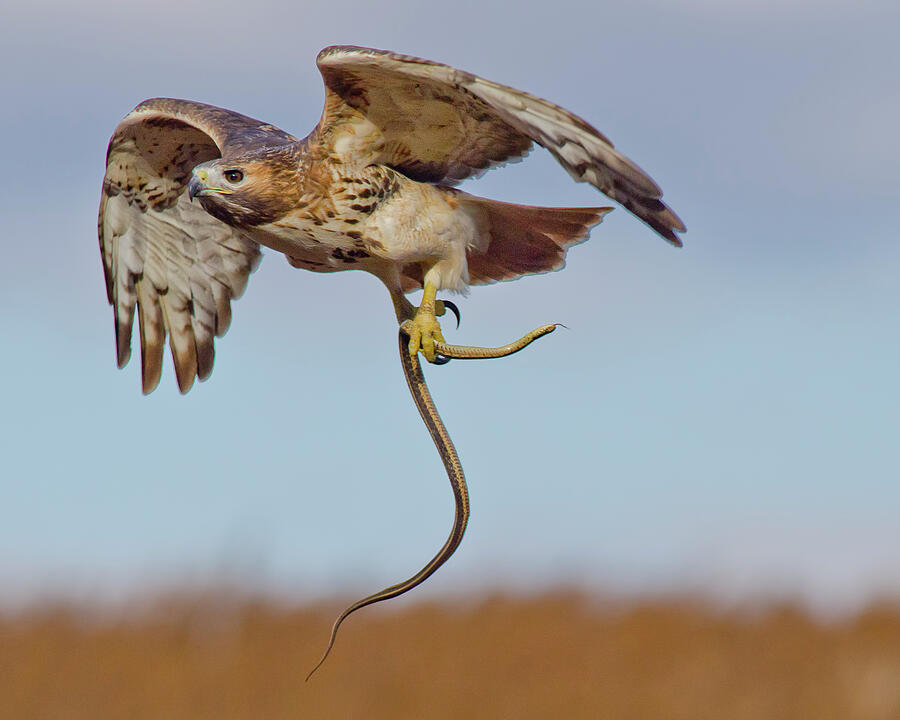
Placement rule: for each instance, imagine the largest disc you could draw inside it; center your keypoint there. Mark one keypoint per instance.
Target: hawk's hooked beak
(198, 184)
(195, 187)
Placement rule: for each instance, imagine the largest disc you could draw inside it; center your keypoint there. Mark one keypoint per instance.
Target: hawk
(192, 191)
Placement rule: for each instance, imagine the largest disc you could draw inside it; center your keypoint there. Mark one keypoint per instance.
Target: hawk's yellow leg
(424, 329)
(412, 369)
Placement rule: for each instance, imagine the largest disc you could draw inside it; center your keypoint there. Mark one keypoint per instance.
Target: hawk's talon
(441, 307)
(441, 360)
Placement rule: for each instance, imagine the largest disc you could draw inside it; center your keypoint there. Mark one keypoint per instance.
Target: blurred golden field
(555, 656)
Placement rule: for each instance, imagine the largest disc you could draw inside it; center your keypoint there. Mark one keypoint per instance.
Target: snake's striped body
(418, 388)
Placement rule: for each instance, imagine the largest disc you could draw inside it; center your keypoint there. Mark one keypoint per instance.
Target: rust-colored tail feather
(525, 239)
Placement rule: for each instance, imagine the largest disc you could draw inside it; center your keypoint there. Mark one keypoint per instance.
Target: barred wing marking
(167, 258)
(439, 124)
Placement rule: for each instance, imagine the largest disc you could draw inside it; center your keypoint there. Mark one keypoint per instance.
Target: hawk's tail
(523, 239)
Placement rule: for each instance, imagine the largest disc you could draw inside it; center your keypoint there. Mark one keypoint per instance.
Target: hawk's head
(247, 191)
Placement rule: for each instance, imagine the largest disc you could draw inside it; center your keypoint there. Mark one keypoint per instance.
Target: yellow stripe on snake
(412, 369)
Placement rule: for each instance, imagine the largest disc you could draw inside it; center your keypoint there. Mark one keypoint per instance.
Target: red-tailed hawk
(191, 191)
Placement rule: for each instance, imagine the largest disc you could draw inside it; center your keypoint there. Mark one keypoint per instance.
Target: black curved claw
(440, 360)
(454, 310)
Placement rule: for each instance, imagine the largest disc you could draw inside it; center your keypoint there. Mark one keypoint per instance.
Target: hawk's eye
(234, 176)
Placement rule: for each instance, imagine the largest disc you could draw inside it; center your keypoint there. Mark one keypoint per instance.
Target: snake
(418, 388)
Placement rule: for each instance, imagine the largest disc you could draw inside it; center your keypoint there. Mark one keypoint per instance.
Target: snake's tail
(412, 370)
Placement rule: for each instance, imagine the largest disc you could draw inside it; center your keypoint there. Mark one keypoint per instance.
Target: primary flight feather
(191, 191)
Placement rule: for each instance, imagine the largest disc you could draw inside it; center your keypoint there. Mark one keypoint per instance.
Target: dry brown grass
(558, 656)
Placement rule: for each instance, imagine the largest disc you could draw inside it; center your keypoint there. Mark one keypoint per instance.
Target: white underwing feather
(162, 254)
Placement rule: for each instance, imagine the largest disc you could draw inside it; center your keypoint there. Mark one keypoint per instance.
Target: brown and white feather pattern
(438, 124)
(370, 188)
(163, 256)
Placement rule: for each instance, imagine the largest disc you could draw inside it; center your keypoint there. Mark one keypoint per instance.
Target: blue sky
(721, 417)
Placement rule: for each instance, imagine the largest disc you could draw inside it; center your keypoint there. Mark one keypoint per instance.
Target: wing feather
(162, 255)
(153, 333)
(439, 124)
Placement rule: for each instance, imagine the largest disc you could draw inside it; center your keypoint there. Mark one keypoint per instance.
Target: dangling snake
(412, 369)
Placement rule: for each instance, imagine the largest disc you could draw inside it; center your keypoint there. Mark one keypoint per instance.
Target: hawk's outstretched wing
(177, 263)
(438, 124)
